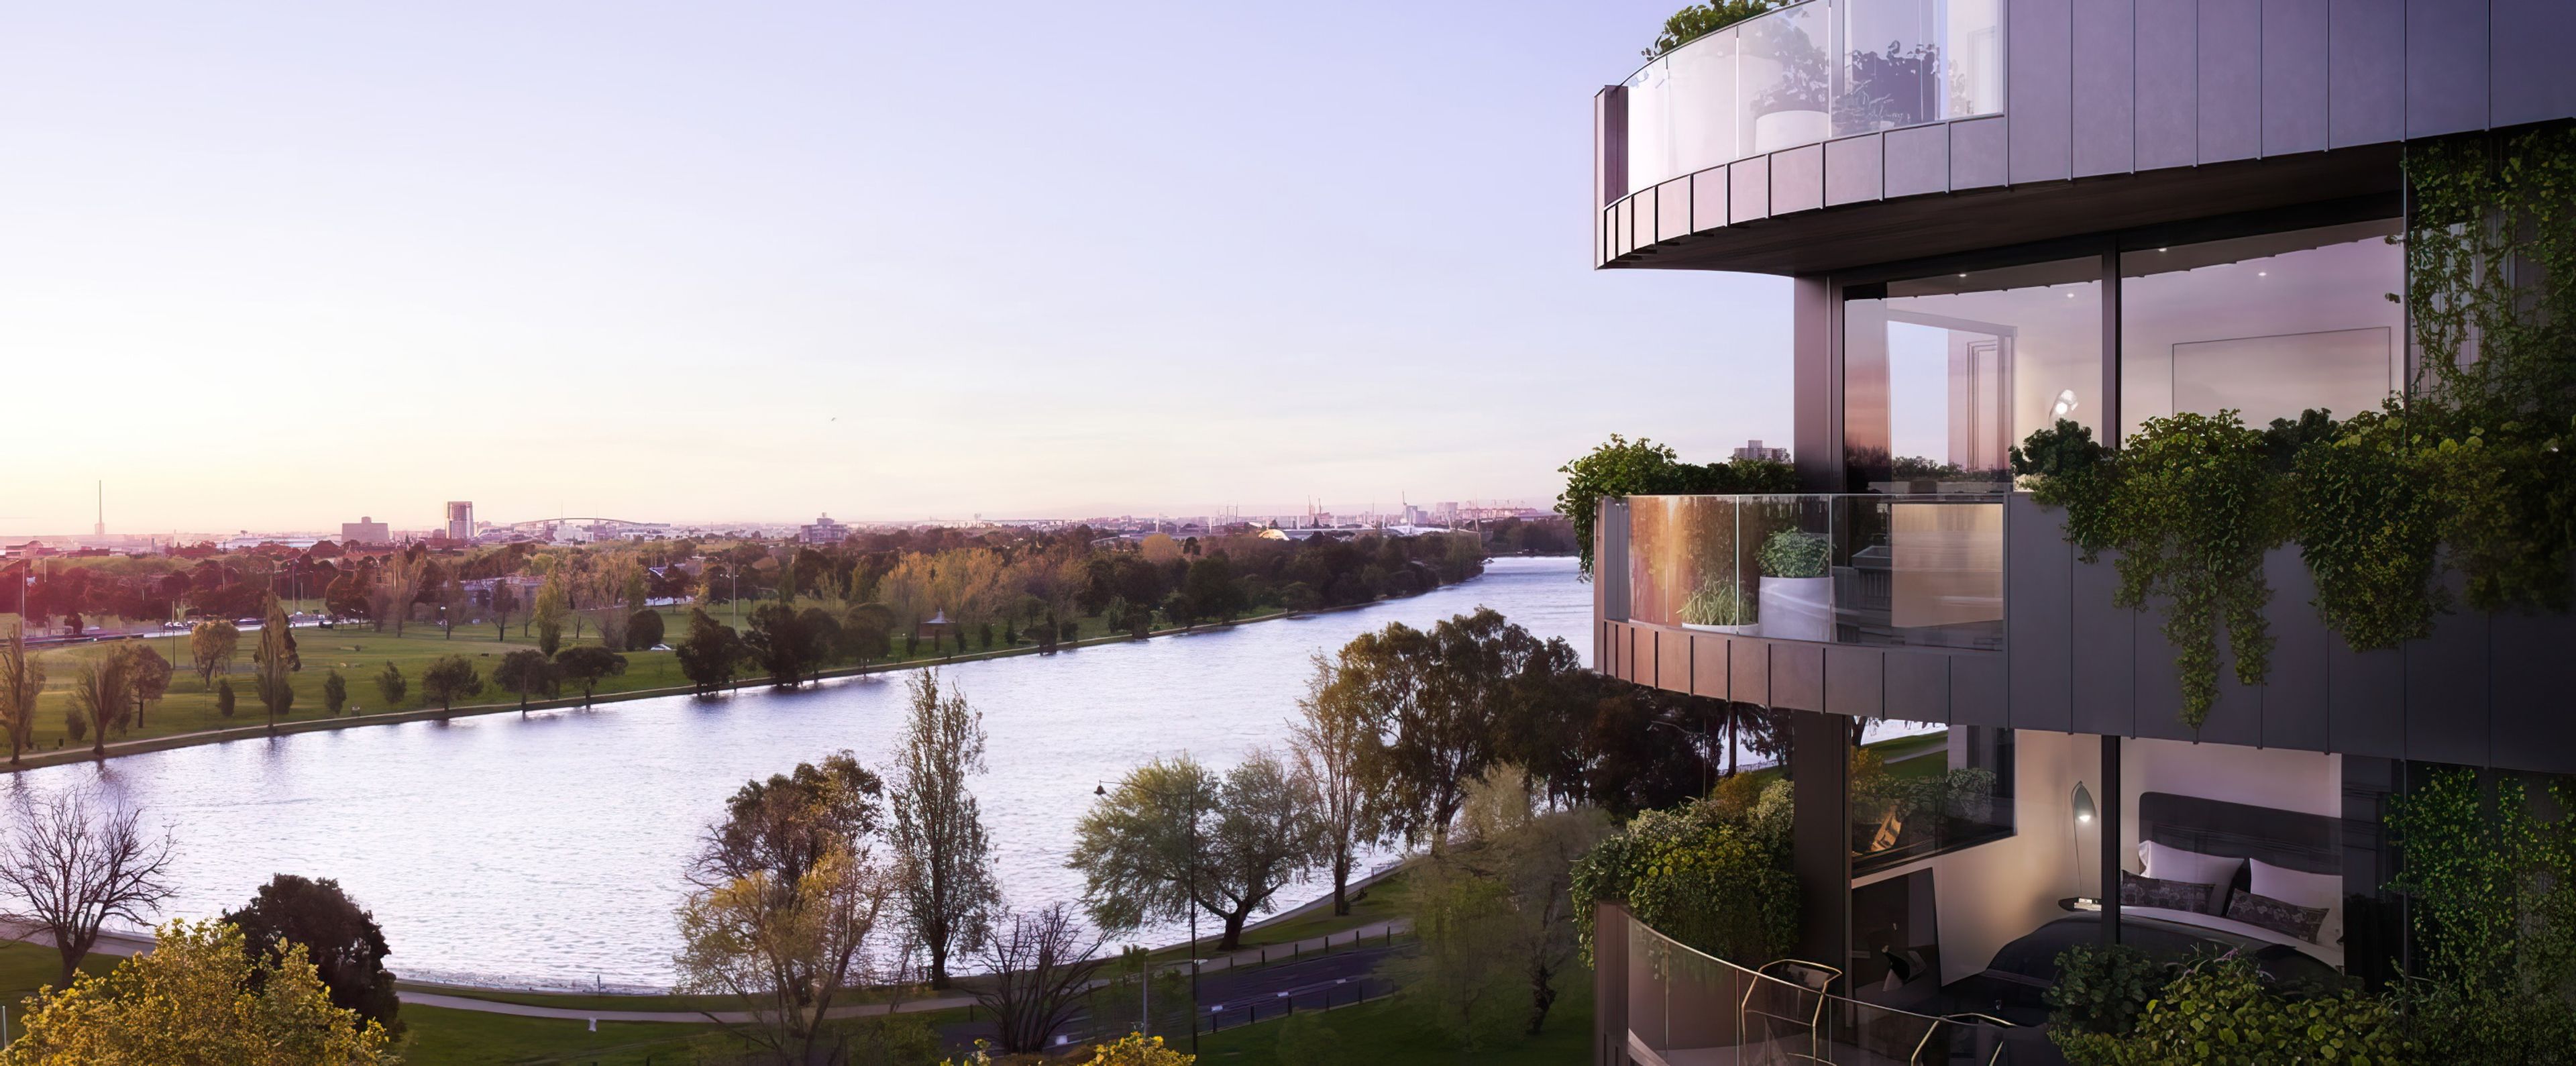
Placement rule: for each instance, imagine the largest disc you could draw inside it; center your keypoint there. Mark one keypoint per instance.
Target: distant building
(1753, 449)
(823, 531)
(460, 520)
(366, 530)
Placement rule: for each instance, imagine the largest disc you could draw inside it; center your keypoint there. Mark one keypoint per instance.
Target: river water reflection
(548, 850)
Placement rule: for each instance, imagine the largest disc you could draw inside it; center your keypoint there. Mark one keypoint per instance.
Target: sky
(275, 266)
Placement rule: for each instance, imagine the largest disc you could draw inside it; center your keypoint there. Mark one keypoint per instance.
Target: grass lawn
(438, 1037)
(1391, 1030)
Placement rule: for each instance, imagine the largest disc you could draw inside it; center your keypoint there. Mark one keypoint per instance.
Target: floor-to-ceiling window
(2267, 326)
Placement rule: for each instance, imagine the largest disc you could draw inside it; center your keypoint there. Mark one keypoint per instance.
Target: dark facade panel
(1918, 685)
(1622, 239)
(1708, 199)
(2105, 87)
(2237, 715)
(2365, 45)
(2531, 82)
(2168, 67)
(1918, 161)
(2159, 683)
(2105, 638)
(2446, 66)
(1673, 660)
(1813, 405)
(1797, 675)
(1673, 209)
(1853, 168)
(2533, 726)
(1708, 666)
(2038, 606)
(1748, 671)
(2037, 71)
(1798, 179)
(2230, 80)
(1856, 681)
(1977, 148)
(1748, 189)
(2447, 718)
(2367, 696)
(2294, 76)
(1977, 690)
(2295, 705)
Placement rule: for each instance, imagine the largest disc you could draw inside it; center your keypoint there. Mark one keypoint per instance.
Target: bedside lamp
(2082, 805)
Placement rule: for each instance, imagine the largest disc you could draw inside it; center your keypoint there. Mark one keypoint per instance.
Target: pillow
(2167, 863)
(2257, 909)
(2292, 886)
(2136, 891)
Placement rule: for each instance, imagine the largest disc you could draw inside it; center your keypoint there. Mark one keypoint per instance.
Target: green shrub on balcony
(1699, 20)
(1793, 553)
(1713, 874)
(2490, 882)
(2221, 1010)
(1718, 604)
(1645, 468)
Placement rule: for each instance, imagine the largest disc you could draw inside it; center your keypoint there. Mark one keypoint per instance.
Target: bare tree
(1335, 745)
(22, 679)
(938, 832)
(71, 866)
(101, 692)
(1042, 962)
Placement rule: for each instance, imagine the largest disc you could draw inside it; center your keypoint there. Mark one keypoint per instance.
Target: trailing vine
(2491, 890)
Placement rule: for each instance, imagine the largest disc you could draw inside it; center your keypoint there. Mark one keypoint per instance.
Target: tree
(643, 630)
(784, 825)
(345, 597)
(211, 647)
(276, 658)
(391, 684)
(709, 654)
(340, 938)
(200, 996)
(938, 831)
(867, 632)
(335, 693)
(790, 644)
(1041, 965)
(1645, 468)
(101, 691)
(1441, 698)
(587, 665)
(152, 675)
(505, 602)
(554, 604)
(396, 585)
(70, 867)
(1213, 589)
(1173, 835)
(224, 699)
(1496, 915)
(1337, 751)
(22, 680)
(525, 672)
(1694, 21)
(450, 679)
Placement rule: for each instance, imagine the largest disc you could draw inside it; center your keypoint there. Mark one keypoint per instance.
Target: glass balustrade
(1809, 72)
(1922, 571)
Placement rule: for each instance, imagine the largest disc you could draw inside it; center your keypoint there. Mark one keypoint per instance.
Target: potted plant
(1797, 589)
(1719, 607)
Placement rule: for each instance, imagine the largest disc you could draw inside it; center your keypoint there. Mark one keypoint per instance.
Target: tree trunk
(71, 957)
(1234, 929)
(938, 961)
(1542, 996)
(1341, 886)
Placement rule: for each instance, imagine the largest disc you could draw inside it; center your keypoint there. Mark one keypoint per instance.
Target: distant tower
(460, 520)
(101, 528)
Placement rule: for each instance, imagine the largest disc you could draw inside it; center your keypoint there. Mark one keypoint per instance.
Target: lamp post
(1191, 887)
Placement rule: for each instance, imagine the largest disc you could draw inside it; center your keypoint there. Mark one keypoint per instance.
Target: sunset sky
(274, 266)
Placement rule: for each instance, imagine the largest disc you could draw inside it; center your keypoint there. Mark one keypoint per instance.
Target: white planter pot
(1789, 129)
(1798, 608)
(1737, 631)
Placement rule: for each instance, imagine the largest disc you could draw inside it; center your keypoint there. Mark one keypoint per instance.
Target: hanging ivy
(2195, 510)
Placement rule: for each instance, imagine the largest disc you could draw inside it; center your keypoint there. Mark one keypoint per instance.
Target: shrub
(1795, 553)
(1718, 605)
(1713, 875)
(643, 630)
(2218, 1011)
(2103, 990)
(224, 699)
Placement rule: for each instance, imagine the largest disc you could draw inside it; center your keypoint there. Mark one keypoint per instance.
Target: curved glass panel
(1916, 571)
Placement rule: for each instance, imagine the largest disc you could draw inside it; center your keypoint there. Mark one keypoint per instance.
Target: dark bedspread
(2032, 960)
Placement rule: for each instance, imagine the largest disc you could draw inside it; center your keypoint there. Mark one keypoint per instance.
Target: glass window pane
(1703, 102)
(1890, 69)
(1973, 55)
(1649, 143)
(2268, 326)
(1782, 79)
(1943, 375)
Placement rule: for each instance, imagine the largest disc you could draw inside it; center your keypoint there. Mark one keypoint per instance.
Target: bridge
(569, 520)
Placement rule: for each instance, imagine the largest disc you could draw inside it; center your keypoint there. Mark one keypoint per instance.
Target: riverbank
(257, 726)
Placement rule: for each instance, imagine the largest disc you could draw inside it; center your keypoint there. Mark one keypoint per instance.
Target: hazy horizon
(279, 268)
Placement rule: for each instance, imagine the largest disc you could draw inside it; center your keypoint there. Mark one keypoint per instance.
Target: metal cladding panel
(2230, 80)
(2159, 683)
(1918, 685)
(1644, 214)
(1623, 240)
(1748, 671)
(2365, 46)
(2105, 87)
(1797, 675)
(1648, 657)
(2533, 730)
(1748, 189)
(2295, 704)
(1853, 169)
(2447, 707)
(1708, 199)
(2366, 694)
(2038, 67)
(2168, 67)
(2531, 82)
(1673, 209)
(2038, 602)
(2446, 66)
(2105, 638)
(1856, 681)
(2294, 76)
(1977, 148)
(1918, 161)
(1708, 666)
(1977, 690)
(1798, 179)
(1672, 660)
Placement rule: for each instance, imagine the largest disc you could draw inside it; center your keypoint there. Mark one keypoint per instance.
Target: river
(547, 851)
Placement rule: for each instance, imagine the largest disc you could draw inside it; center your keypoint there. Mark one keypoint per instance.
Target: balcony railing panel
(1810, 72)
(1915, 571)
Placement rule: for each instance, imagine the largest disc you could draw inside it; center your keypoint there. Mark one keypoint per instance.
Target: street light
(1191, 887)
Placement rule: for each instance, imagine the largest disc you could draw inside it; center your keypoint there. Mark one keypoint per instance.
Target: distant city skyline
(278, 271)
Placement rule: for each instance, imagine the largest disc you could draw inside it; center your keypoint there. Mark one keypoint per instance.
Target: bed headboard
(2312, 843)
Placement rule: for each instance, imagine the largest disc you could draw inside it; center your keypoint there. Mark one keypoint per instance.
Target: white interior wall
(1990, 895)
